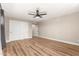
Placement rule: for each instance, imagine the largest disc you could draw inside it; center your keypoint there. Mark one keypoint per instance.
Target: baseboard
(17, 39)
(61, 41)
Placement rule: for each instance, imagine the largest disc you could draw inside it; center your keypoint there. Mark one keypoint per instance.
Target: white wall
(65, 28)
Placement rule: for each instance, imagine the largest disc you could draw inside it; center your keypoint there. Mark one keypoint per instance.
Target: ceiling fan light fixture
(37, 17)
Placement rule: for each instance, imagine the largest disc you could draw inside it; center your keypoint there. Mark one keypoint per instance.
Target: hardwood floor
(40, 47)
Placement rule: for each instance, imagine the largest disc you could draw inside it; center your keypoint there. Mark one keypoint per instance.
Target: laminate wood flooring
(37, 46)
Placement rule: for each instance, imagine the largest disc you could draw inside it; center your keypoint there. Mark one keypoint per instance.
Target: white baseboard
(73, 43)
(17, 39)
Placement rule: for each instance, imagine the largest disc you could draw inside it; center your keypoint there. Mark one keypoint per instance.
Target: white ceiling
(20, 11)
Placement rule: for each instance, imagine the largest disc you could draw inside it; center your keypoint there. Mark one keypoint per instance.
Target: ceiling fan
(37, 13)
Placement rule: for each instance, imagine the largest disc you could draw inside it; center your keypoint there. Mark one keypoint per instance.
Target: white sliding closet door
(18, 30)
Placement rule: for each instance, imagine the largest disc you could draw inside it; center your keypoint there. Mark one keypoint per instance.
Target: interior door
(18, 30)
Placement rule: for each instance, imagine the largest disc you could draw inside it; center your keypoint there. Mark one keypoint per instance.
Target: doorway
(34, 30)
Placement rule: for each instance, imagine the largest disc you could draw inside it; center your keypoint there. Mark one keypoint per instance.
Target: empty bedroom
(39, 29)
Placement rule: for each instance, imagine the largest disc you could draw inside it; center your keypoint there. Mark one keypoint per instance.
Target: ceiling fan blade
(31, 13)
(34, 16)
(40, 16)
(43, 14)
